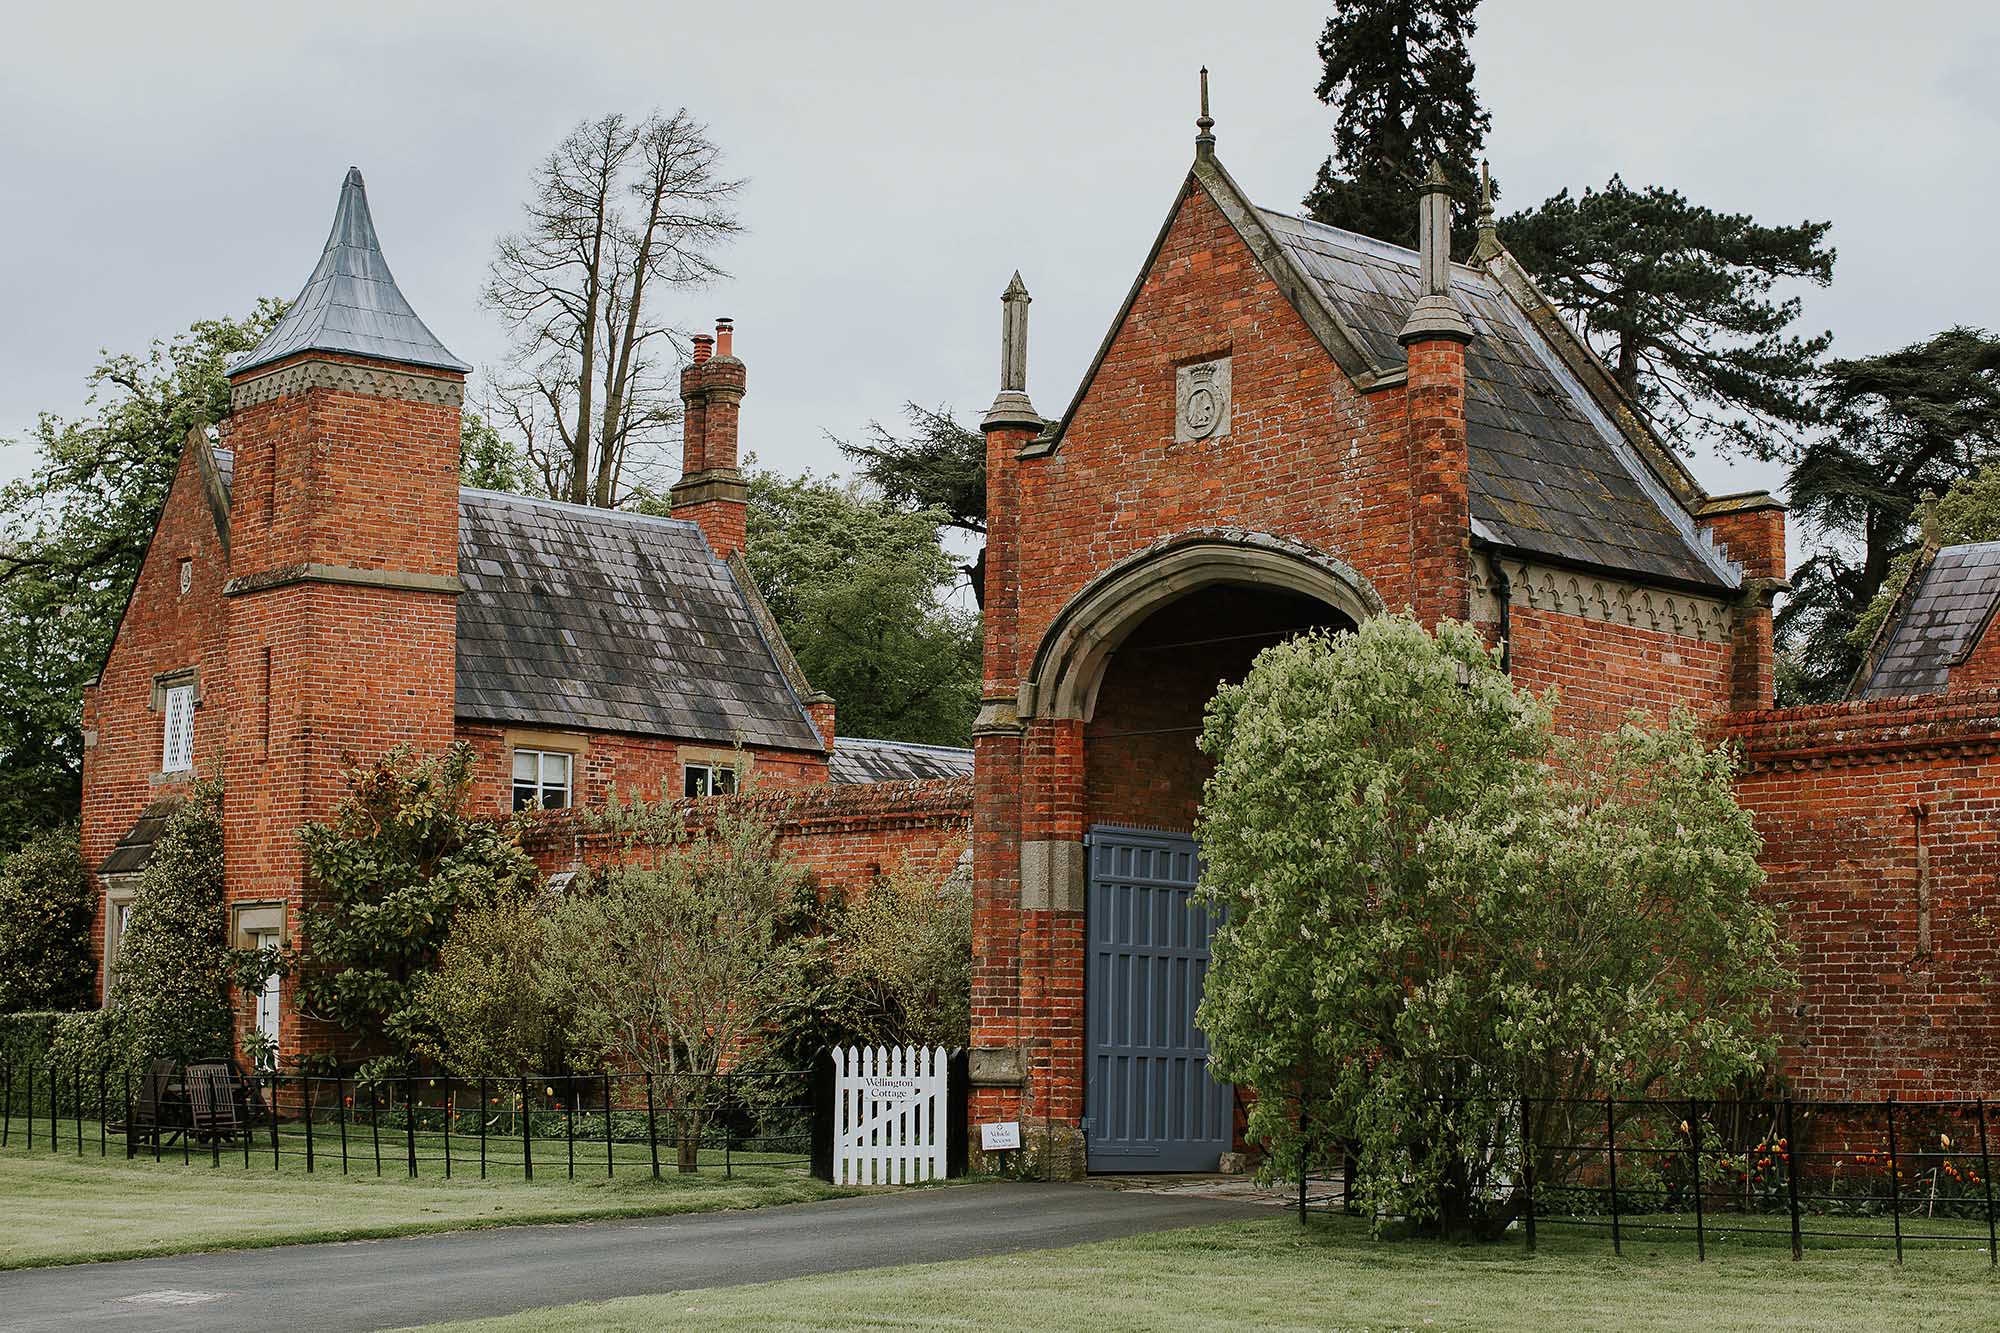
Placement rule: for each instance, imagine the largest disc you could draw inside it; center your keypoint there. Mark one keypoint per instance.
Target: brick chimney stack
(712, 491)
(1435, 337)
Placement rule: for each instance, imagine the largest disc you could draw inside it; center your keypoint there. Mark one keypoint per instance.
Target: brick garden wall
(845, 835)
(1845, 795)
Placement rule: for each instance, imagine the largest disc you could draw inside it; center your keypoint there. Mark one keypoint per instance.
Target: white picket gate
(889, 1115)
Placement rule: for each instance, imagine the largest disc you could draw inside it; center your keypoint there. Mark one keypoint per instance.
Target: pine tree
(1678, 300)
(1400, 75)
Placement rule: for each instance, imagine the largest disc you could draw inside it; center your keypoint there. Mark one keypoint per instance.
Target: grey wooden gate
(1149, 1102)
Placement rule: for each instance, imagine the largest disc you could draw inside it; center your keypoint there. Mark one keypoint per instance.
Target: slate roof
(351, 303)
(857, 759)
(135, 849)
(1939, 623)
(1551, 474)
(590, 619)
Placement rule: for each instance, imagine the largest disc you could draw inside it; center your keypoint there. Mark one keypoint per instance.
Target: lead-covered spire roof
(351, 304)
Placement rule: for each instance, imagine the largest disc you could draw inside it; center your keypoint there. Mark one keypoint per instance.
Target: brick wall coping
(833, 807)
(1864, 731)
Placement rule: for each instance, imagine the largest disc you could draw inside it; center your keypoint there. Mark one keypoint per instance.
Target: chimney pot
(725, 337)
(704, 347)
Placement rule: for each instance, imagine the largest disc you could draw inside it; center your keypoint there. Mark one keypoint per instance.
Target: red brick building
(1286, 426)
(1289, 426)
(320, 587)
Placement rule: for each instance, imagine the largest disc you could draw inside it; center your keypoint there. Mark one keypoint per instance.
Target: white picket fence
(889, 1116)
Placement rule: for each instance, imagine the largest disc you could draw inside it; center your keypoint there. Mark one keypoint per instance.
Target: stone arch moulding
(1069, 665)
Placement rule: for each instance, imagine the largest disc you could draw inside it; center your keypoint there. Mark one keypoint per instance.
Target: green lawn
(62, 1208)
(1331, 1275)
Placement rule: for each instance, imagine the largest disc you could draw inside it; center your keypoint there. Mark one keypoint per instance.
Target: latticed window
(541, 779)
(177, 754)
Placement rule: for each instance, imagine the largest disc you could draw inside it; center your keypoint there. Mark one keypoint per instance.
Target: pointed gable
(351, 304)
(1552, 474)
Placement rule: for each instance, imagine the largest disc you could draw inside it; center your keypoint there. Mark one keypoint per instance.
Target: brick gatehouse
(1286, 426)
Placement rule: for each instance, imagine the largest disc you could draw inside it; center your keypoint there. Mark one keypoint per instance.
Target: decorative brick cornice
(403, 579)
(1597, 597)
(347, 377)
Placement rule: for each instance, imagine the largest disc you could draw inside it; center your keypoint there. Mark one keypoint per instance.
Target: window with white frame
(710, 779)
(542, 779)
(177, 751)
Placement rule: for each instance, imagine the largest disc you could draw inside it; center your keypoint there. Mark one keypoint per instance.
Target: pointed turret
(1204, 125)
(351, 304)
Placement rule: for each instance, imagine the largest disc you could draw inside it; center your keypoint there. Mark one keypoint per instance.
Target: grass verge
(65, 1209)
(1272, 1274)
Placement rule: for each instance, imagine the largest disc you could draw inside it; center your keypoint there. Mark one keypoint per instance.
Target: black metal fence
(1892, 1173)
(527, 1127)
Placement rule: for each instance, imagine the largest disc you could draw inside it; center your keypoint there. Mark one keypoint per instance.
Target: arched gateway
(1287, 427)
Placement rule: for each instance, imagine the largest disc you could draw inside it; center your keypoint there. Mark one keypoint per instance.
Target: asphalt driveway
(413, 1280)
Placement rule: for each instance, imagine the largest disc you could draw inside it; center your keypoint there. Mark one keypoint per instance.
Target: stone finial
(1436, 313)
(1204, 138)
(1014, 336)
(1011, 406)
(1488, 243)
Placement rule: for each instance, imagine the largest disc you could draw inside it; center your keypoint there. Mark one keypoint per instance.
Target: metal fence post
(1792, 1181)
(249, 1116)
(653, 1127)
(1986, 1180)
(1694, 1148)
(131, 1147)
(527, 1150)
(1528, 1163)
(375, 1123)
(483, 1105)
(607, 1124)
(1302, 1156)
(1611, 1157)
(569, 1124)
(1895, 1181)
(55, 1111)
(447, 1126)
(6, 1101)
(277, 1163)
(76, 1088)
(306, 1093)
(102, 1108)
(31, 1106)
(340, 1112)
(410, 1122)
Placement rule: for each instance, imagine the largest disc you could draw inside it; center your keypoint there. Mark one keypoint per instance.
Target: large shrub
(47, 901)
(1430, 906)
(170, 996)
(669, 961)
(385, 878)
(484, 1010)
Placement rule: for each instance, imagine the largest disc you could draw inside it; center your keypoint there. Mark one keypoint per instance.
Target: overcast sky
(166, 163)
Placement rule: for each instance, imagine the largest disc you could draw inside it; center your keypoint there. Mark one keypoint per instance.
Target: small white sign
(999, 1135)
(878, 1089)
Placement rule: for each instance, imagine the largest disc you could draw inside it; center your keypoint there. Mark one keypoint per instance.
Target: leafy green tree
(170, 990)
(1679, 301)
(47, 900)
(667, 960)
(1430, 906)
(385, 878)
(939, 468)
(1401, 76)
(860, 588)
(489, 460)
(72, 534)
(1901, 425)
